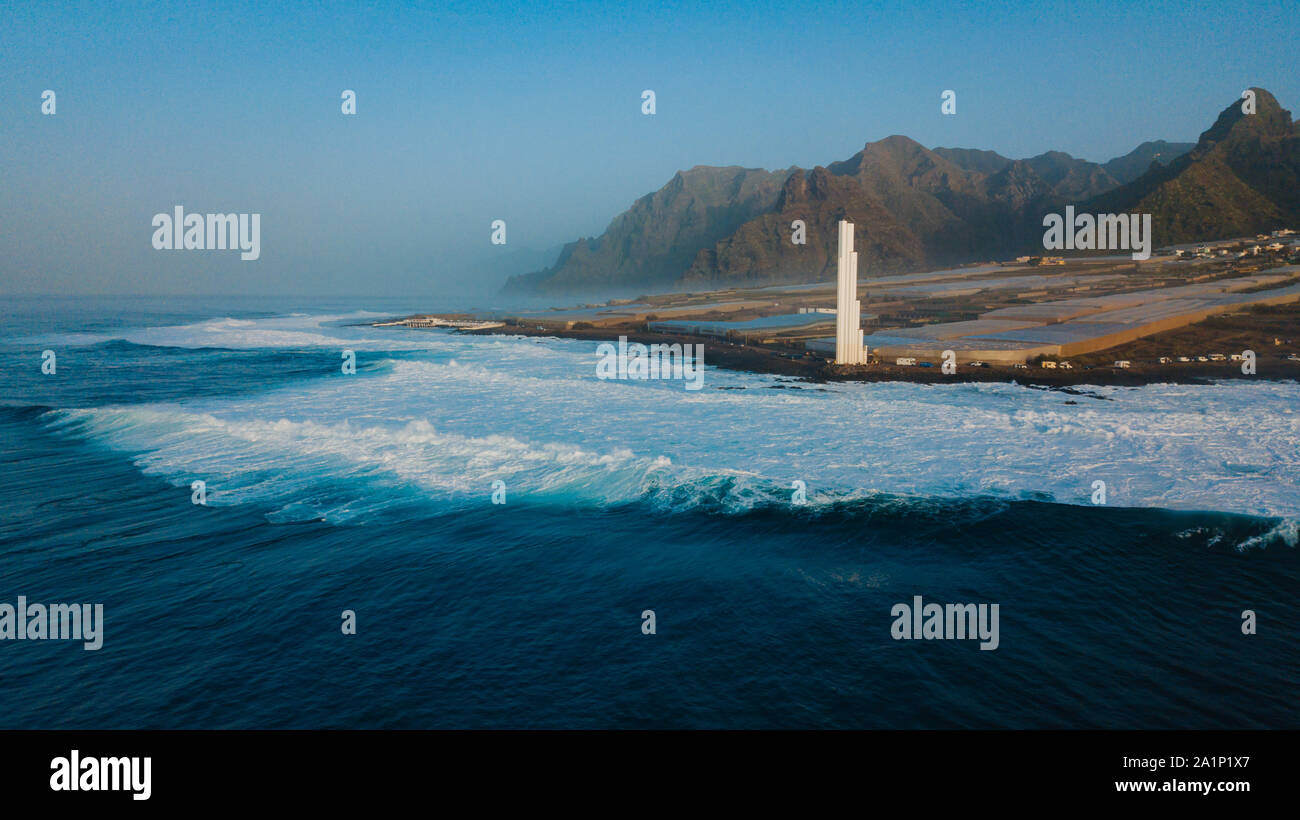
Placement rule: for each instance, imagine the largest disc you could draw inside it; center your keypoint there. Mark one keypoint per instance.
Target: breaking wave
(1285, 532)
(531, 413)
(293, 331)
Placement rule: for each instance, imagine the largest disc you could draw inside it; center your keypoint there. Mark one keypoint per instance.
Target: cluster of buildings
(1280, 242)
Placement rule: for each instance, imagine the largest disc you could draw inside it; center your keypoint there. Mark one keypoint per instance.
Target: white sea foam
(1286, 531)
(532, 413)
(293, 331)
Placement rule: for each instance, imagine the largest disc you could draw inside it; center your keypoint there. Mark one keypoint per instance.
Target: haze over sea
(372, 492)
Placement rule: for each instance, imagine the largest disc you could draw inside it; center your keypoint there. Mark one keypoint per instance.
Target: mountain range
(917, 208)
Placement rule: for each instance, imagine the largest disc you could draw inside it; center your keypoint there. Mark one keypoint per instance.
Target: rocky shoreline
(748, 358)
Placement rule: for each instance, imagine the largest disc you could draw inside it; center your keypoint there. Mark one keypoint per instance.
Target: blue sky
(531, 113)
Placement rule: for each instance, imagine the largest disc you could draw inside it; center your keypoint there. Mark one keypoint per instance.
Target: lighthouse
(848, 310)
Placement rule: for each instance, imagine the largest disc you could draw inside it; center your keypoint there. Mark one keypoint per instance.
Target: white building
(848, 310)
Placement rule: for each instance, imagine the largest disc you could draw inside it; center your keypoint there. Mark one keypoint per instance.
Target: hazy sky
(531, 113)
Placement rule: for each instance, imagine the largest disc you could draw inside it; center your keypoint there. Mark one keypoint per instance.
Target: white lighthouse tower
(848, 310)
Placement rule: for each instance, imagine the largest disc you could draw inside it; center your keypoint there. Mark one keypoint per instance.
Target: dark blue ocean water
(528, 614)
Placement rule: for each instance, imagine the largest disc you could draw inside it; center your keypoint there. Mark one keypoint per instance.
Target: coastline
(813, 368)
(1097, 322)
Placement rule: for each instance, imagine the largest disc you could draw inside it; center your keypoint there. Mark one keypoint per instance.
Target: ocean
(771, 525)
